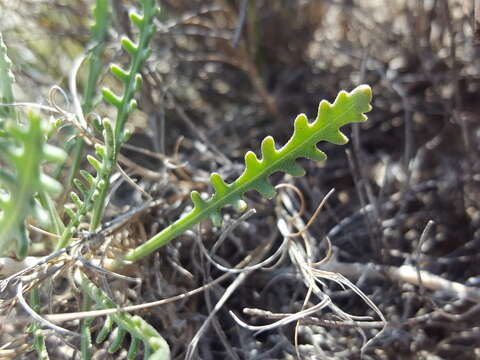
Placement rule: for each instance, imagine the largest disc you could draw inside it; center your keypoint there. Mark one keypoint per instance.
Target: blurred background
(226, 73)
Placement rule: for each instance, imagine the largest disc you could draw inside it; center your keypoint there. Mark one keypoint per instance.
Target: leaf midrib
(241, 189)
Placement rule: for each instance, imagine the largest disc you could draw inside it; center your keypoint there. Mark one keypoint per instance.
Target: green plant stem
(48, 203)
(135, 325)
(125, 107)
(169, 233)
(77, 159)
(6, 83)
(25, 155)
(146, 32)
(38, 338)
(197, 214)
(99, 35)
(86, 340)
(99, 204)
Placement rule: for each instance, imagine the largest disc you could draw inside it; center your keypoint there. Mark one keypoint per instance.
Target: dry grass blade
(59, 330)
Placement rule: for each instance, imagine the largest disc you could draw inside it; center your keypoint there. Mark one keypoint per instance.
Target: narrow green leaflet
(6, 82)
(347, 108)
(36, 329)
(139, 329)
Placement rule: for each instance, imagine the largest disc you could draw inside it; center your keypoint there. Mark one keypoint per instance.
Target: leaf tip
(363, 98)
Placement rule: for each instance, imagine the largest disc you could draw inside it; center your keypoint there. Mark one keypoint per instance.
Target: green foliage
(89, 187)
(347, 108)
(131, 78)
(99, 31)
(88, 190)
(139, 329)
(24, 149)
(6, 82)
(38, 338)
(132, 81)
(90, 197)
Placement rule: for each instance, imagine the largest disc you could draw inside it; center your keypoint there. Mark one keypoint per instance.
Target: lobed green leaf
(24, 149)
(138, 328)
(125, 103)
(347, 108)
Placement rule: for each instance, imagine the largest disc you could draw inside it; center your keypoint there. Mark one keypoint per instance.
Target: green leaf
(6, 82)
(25, 150)
(137, 327)
(125, 103)
(347, 108)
